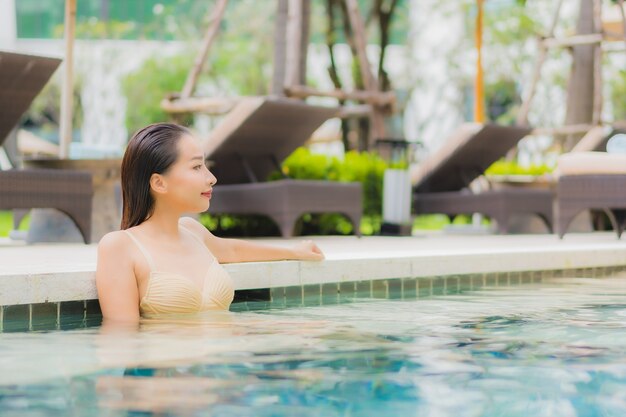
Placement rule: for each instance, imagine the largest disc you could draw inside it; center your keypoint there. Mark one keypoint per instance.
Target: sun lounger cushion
(591, 163)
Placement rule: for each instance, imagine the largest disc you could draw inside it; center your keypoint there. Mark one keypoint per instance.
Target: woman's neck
(164, 222)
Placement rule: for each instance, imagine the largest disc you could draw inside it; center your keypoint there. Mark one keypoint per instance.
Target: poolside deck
(63, 272)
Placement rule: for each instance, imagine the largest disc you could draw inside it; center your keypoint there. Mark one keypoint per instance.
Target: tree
(338, 25)
(580, 89)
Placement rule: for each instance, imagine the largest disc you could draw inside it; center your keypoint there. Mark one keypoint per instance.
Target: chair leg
(18, 216)
(355, 219)
(619, 216)
(501, 218)
(503, 225)
(82, 222)
(286, 223)
(564, 218)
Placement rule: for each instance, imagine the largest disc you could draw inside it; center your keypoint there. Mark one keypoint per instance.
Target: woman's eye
(197, 167)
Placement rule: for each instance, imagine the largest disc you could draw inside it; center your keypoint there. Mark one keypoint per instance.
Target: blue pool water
(556, 348)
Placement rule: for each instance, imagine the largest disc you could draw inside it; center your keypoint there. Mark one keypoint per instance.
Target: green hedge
(503, 167)
(6, 223)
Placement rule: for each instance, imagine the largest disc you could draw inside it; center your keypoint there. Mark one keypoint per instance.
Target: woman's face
(188, 182)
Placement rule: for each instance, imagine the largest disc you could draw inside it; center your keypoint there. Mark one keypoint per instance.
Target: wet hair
(151, 150)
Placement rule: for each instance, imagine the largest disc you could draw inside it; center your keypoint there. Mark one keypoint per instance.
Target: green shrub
(6, 223)
(503, 167)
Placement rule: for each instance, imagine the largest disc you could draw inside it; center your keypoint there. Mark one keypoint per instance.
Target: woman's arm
(237, 250)
(246, 251)
(115, 279)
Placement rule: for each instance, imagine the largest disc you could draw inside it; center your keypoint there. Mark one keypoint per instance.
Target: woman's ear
(158, 183)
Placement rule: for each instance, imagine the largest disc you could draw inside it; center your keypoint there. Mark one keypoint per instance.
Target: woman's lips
(207, 194)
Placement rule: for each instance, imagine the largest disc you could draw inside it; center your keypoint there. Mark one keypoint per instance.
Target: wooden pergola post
(67, 97)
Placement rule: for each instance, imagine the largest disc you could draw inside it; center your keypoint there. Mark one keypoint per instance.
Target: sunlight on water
(551, 349)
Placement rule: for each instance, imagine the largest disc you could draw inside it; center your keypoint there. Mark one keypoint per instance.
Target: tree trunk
(363, 124)
(332, 68)
(580, 91)
(385, 14)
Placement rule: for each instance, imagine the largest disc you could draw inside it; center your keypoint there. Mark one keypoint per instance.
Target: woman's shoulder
(115, 252)
(193, 225)
(114, 241)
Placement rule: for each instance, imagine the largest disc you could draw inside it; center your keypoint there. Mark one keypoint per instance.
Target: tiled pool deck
(41, 283)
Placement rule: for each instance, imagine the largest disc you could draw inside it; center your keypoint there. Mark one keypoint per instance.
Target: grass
(6, 223)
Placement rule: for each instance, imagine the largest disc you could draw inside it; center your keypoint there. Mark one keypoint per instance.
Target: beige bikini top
(171, 293)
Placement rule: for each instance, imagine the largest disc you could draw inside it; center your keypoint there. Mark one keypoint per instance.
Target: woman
(160, 262)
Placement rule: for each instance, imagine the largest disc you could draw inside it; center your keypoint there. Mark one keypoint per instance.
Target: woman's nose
(211, 178)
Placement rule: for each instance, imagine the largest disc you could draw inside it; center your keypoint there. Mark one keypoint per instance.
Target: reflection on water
(551, 349)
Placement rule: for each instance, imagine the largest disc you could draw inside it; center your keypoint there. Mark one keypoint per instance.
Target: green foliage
(439, 221)
(618, 96)
(503, 167)
(6, 223)
(508, 24)
(100, 29)
(431, 222)
(145, 88)
(366, 168)
(239, 225)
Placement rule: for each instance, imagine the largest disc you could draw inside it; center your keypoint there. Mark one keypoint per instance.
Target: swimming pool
(550, 348)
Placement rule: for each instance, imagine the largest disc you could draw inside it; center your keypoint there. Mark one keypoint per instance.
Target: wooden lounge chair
(21, 78)
(591, 181)
(250, 143)
(440, 185)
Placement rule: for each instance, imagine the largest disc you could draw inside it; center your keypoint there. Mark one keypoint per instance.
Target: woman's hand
(306, 250)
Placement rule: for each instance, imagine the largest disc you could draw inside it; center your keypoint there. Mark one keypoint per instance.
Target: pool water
(557, 348)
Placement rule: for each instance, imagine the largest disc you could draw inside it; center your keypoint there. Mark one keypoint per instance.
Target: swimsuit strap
(196, 238)
(143, 250)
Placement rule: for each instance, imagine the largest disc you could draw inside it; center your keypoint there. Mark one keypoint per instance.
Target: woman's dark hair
(152, 150)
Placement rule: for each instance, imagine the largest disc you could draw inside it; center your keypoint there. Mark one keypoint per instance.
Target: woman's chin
(200, 208)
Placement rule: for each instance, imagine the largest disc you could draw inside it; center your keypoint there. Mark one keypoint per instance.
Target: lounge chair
(250, 143)
(591, 181)
(21, 78)
(440, 184)
(597, 138)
